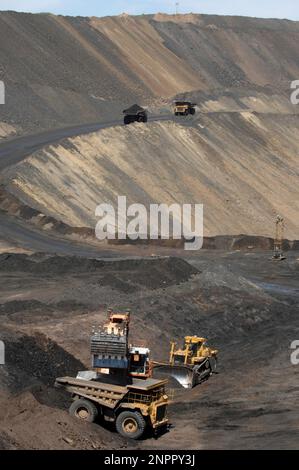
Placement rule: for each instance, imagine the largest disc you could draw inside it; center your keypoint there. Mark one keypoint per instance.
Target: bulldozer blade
(182, 374)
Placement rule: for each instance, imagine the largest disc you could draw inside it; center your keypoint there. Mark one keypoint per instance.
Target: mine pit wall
(10, 205)
(241, 166)
(225, 243)
(191, 52)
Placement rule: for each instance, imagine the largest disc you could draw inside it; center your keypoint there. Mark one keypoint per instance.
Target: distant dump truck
(184, 108)
(135, 114)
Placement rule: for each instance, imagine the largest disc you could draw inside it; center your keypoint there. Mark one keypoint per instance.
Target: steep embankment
(60, 71)
(241, 166)
(238, 158)
(6, 130)
(221, 51)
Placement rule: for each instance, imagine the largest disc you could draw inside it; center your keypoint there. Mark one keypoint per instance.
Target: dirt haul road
(240, 165)
(15, 151)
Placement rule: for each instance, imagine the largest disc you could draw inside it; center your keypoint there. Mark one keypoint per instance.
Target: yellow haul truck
(184, 108)
(119, 387)
(132, 408)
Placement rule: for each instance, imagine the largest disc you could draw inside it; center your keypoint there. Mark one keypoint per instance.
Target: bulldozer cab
(193, 347)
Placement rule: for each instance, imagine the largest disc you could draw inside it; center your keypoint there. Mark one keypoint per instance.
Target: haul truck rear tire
(84, 410)
(127, 120)
(130, 424)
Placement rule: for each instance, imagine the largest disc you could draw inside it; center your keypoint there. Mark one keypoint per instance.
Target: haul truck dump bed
(132, 408)
(135, 114)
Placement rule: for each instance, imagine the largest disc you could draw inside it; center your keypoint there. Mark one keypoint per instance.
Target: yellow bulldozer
(191, 364)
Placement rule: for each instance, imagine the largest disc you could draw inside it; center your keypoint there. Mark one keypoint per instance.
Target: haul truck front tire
(84, 410)
(130, 424)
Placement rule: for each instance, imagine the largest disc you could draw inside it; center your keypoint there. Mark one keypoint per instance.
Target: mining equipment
(119, 387)
(184, 108)
(135, 114)
(278, 254)
(192, 364)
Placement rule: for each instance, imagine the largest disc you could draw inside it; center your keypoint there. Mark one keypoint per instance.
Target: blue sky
(260, 8)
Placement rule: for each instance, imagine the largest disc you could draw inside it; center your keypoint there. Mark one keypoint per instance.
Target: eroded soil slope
(241, 166)
(60, 71)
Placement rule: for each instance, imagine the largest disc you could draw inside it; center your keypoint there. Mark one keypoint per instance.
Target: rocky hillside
(240, 165)
(238, 156)
(62, 70)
